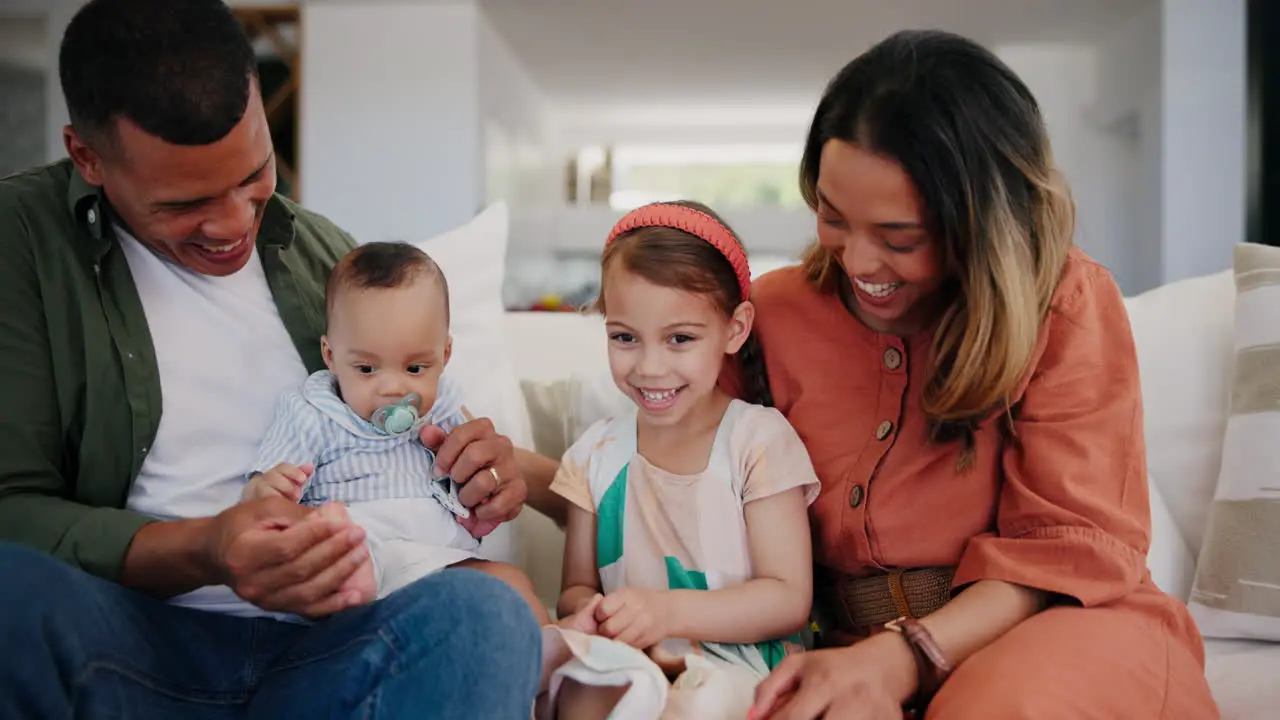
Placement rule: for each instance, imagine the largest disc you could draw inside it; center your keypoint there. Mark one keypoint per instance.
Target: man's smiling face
(200, 206)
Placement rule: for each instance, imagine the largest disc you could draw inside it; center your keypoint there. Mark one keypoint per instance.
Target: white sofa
(1183, 334)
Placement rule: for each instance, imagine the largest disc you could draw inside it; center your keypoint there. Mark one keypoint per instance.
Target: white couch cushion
(473, 258)
(1237, 585)
(569, 389)
(1170, 560)
(1242, 674)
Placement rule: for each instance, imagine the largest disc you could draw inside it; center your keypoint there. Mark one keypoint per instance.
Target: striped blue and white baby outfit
(385, 480)
(354, 460)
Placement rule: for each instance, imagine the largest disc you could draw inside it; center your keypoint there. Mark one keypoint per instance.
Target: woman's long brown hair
(670, 257)
(971, 137)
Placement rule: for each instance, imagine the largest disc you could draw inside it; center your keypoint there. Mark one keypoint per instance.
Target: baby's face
(384, 343)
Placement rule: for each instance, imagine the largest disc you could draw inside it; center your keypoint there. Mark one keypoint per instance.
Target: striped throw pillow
(1237, 585)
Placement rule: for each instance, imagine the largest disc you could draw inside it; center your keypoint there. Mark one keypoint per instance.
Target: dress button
(883, 430)
(892, 358)
(856, 495)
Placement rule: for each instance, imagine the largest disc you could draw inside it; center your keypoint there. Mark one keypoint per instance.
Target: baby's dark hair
(670, 257)
(383, 265)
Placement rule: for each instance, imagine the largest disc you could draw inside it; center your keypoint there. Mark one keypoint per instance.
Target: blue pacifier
(397, 418)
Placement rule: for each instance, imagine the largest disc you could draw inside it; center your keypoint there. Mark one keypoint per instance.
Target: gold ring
(497, 479)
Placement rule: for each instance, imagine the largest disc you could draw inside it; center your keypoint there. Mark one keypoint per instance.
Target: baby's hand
(283, 480)
(634, 616)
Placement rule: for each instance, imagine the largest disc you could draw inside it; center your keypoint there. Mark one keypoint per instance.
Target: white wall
(1129, 106)
(32, 36)
(415, 115)
(521, 165)
(389, 137)
(22, 40)
(1203, 100)
(1065, 82)
(1174, 78)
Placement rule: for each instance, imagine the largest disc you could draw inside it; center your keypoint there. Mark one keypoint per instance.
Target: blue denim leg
(78, 646)
(456, 644)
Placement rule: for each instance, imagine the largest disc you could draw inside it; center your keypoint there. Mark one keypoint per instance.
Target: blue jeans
(456, 644)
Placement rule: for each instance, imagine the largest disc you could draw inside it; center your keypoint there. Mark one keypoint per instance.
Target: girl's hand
(634, 616)
(866, 681)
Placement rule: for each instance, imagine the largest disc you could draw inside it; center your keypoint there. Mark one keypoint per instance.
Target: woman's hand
(483, 464)
(635, 616)
(866, 681)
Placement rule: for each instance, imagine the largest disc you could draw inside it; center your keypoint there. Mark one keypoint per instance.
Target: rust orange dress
(1060, 504)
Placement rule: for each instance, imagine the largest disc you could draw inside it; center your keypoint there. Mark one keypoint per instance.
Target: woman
(967, 386)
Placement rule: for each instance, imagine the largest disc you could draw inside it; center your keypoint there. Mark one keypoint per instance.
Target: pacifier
(397, 418)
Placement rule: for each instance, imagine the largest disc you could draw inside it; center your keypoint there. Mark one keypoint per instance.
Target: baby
(349, 441)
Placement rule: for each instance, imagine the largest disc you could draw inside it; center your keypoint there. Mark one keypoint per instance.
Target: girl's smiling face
(667, 346)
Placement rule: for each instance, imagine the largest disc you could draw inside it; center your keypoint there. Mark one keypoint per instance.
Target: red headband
(695, 223)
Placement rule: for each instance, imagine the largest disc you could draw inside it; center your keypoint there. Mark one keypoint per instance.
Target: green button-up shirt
(80, 393)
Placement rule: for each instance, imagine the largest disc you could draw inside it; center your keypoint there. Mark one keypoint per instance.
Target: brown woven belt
(861, 604)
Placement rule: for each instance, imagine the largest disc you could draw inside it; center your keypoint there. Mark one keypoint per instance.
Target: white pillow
(473, 259)
(1237, 585)
(564, 374)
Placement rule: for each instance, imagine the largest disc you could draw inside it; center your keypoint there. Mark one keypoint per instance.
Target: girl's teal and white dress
(660, 530)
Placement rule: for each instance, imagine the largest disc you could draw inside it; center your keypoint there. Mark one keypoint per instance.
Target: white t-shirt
(225, 358)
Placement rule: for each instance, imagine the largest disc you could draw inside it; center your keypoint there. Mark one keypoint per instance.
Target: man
(157, 299)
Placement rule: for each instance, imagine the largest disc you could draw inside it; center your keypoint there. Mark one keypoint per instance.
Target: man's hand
(285, 557)
(283, 480)
(483, 464)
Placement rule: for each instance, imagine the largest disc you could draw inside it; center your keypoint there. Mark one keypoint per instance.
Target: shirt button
(92, 216)
(856, 495)
(892, 358)
(883, 430)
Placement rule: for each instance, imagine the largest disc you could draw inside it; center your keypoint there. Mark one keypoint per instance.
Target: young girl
(689, 513)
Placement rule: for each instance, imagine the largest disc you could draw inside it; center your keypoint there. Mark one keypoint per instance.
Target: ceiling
(589, 54)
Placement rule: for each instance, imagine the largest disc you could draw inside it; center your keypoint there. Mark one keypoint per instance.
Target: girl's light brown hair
(970, 135)
(672, 258)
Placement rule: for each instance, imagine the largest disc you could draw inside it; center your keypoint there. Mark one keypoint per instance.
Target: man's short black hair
(180, 69)
(384, 265)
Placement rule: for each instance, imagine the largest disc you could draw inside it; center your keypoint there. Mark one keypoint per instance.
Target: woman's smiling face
(871, 220)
